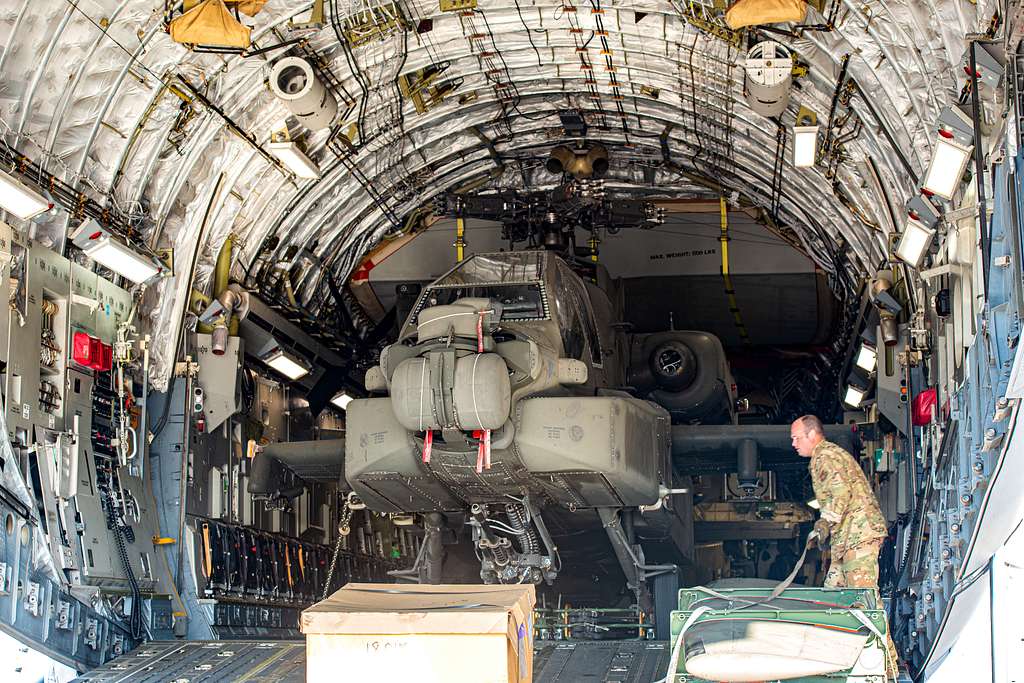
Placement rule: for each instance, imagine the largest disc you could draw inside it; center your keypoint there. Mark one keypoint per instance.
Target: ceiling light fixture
(341, 400)
(101, 247)
(854, 396)
(858, 384)
(805, 138)
(289, 154)
(288, 365)
(20, 199)
(952, 153)
(867, 358)
(914, 242)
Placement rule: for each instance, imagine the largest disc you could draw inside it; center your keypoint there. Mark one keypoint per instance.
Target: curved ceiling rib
(90, 91)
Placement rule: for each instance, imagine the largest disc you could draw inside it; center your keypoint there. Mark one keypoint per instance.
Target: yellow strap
(288, 564)
(460, 243)
(207, 552)
(729, 291)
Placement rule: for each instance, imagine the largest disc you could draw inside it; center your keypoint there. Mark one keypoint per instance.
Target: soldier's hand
(821, 528)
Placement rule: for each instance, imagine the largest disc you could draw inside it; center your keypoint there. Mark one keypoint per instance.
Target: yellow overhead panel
(457, 5)
(316, 18)
(757, 12)
(210, 23)
(280, 133)
(419, 87)
(352, 132)
(650, 91)
(712, 27)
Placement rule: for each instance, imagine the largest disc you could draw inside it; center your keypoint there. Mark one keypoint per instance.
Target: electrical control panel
(72, 462)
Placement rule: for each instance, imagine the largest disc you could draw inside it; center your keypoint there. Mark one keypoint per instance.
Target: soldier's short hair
(811, 423)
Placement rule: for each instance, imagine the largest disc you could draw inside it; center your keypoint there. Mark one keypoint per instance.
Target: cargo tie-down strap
(428, 445)
(788, 581)
(483, 452)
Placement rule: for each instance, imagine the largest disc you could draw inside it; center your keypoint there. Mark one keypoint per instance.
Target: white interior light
(914, 242)
(286, 365)
(813, 504)
(946, 167)
(854, 396)
(867, 357)
(20, 199)
(296, 161)
(341, 399)
(117, 257)
(805, 146)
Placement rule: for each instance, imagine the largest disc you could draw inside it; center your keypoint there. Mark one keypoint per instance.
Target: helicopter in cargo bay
(513, 401)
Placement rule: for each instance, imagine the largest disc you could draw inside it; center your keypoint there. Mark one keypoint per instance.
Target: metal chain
(344, 517)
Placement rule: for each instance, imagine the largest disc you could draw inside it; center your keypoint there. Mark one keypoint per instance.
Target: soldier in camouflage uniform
(850, 515)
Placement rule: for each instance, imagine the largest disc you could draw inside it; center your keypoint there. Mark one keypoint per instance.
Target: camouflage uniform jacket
(845, 498)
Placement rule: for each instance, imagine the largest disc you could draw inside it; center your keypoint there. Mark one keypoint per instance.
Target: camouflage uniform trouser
(855, 567)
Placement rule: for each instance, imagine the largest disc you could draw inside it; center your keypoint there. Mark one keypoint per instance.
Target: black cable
(528, 32)
(693, 103)
(979, 173)
(121, 534)
(518, 96)
(248, 390)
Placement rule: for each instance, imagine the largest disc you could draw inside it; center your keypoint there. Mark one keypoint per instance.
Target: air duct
(560, 160)
(590, 162)
(596, 162)
(294, 82)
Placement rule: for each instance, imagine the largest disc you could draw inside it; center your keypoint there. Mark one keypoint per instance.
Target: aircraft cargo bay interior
(546, 340)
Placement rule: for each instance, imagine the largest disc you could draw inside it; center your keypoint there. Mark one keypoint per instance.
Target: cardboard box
(429, 634)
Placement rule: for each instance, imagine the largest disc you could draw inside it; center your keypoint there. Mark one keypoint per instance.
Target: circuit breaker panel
(74, 485)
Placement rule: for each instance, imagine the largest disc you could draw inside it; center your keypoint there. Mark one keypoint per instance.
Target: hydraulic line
(527, 536)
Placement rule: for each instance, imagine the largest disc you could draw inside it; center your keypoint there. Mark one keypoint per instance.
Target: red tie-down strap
(483, 451)
(480, 331)
(428, 445)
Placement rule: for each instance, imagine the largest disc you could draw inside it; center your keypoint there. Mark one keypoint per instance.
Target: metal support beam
(246, 136)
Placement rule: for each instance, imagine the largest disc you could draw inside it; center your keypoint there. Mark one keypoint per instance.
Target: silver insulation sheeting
(84, 90)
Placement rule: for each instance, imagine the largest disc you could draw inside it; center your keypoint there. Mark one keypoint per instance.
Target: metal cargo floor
(607, 661)
(220, 661)
(622, 661)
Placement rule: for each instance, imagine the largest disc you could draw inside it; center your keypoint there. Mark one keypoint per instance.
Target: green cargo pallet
(806, 635)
